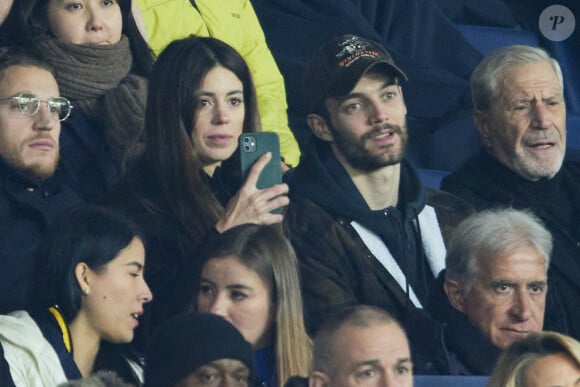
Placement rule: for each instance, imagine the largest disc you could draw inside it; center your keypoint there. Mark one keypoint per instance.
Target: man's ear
(319, 127)
(454, 291)
(480, 119)
(318, 379)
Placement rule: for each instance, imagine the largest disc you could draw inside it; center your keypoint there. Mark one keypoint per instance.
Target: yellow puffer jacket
(236, 23)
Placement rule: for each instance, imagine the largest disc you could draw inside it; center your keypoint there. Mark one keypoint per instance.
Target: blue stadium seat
(487, 39)
(432, 177)
(449, 381)
(573, 137)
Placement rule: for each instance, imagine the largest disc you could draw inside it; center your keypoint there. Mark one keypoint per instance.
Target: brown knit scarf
(98, 81)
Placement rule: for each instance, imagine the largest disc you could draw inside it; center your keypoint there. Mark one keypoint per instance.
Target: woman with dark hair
(88, 298)
(200, 100)
(250, 278)
(102, 62)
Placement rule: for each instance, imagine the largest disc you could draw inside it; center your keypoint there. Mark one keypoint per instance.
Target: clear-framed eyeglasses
(29, 104)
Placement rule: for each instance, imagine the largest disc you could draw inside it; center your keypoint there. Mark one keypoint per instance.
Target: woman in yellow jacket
(236, 23)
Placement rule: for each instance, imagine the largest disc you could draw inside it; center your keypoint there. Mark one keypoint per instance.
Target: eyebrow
(373, 362)
(210, 94)
(527, 98)
(376, 363)
(537, 283)
(403, 361)
(391, 82)
(232, 286)
(501, 281)
(138, 265)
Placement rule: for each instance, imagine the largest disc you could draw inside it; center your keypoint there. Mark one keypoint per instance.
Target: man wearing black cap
(198, 349)
(364, 228)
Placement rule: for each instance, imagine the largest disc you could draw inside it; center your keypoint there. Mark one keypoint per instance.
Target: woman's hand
(252, 205)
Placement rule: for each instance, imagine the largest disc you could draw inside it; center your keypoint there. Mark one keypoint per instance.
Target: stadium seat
(449, 381)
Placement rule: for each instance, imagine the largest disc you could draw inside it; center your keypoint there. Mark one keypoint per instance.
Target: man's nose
(521, 307)
(45, 119)
(541, 116)
(379, 112)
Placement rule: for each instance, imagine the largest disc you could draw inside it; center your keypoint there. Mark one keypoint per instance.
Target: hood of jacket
(321, 178)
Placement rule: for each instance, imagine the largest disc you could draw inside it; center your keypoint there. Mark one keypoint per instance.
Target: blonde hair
(266, 251)
(512, 366)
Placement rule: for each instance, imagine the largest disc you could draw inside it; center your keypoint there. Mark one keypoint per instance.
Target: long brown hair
(169, 120)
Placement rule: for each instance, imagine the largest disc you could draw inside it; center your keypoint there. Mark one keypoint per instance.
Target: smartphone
(254, 145)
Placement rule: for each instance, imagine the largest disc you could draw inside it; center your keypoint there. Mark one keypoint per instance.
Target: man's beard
(41, 173)
(361, 158)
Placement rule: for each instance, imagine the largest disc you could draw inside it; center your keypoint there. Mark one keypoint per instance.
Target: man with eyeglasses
(31, 112)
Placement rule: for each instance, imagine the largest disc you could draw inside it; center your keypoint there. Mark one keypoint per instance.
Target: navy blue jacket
(26, 209)
(86, 164)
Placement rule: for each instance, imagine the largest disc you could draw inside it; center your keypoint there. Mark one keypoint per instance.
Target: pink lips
(542, 145)
(220, 139)
(42, 144)
(518, 332)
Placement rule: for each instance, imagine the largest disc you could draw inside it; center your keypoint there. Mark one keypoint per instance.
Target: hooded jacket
(485, 182)
(341, 245)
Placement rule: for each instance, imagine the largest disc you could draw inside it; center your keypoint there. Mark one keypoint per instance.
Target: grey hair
(490, 72)
(492, 233)
(362, 316)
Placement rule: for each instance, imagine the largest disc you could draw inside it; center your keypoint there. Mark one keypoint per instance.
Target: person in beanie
(198, 349)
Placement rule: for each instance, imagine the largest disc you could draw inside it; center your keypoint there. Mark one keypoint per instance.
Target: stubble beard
(533, 168)
(358, 156)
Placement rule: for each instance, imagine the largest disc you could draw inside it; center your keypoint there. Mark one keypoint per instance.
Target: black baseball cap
(339, 64)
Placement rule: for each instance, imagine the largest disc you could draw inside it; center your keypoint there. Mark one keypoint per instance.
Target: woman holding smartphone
(200, 99)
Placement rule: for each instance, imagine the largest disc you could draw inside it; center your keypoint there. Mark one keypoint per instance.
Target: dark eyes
(536, 289)
(366, 373)
(206, 102)
(503, 288)
(205, 289)
(402, 370)
(236, 101)
(238, 296)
